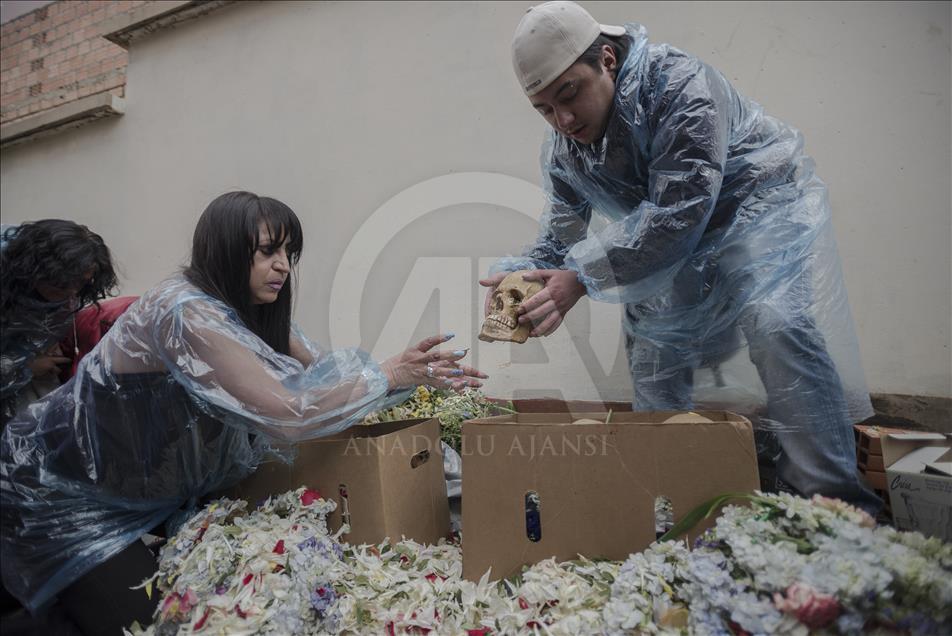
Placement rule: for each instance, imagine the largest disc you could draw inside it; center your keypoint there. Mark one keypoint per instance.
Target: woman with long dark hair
(49, 270)
(163, 410)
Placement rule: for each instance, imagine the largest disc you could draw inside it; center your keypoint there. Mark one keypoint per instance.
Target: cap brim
(611, 30)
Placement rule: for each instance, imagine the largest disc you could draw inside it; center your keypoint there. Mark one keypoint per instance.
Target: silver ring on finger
(430, 372)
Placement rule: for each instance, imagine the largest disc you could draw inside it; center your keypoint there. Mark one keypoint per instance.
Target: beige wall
(408, 114)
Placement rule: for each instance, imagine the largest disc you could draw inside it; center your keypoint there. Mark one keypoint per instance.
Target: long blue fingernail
(457, 372)
(449, 336)
(460, 353)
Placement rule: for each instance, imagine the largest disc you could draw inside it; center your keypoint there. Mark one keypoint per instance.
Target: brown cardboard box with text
(391, 474)
(596, 483)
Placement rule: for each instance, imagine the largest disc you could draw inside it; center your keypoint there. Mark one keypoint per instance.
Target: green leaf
(364, 617)
(704, 511)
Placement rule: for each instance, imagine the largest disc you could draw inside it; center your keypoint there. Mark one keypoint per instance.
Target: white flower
(276, 570)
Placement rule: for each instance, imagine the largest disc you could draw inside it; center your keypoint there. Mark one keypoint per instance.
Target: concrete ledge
(59, 118)
(918, 412)
(126, 27)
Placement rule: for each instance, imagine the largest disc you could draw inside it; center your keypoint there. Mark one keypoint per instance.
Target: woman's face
(269, 268)
(53, 294)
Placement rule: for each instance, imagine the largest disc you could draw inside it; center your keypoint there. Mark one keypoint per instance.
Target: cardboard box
(869, 438)
(919, 476)
(391, 474)
(867, 461)
(553, 405)
(875, 479)
(595, 484)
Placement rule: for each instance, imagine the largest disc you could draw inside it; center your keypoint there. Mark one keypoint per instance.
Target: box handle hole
(420, 458)
(344, 507)
(663, 515)
(533, 516)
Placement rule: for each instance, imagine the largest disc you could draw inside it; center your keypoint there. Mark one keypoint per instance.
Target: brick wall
(55, 54)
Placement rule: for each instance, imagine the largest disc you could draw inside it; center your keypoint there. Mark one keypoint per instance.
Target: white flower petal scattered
(781, 565)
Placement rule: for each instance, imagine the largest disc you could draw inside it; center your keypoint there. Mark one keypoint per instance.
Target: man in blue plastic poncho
(717, 235)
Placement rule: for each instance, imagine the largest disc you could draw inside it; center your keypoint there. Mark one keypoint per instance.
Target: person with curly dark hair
(50, 270)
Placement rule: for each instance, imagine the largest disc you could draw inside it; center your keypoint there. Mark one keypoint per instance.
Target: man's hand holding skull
(516, 303)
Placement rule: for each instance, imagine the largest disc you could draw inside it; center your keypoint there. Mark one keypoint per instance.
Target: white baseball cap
(549, 39)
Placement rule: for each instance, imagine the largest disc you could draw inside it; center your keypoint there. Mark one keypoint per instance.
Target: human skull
(502, 323)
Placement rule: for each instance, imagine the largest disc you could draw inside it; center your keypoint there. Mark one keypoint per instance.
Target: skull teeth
(499, 320)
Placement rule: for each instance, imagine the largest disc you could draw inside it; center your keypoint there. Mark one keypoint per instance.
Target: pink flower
(201, 622)
(177, 607)
(852, 513)
(309, 496)
(737, 630)
(810, 607)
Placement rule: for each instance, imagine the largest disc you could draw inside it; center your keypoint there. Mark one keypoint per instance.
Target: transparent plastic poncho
(177, 401)
(703, 215)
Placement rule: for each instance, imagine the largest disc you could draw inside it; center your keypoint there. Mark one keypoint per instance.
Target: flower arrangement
(451, 408)
(787, 565)
(778, 565)
(230, 572)
(277, 571)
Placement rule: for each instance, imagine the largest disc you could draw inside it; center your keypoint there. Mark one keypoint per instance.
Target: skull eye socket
(515, 297)
(497, 302)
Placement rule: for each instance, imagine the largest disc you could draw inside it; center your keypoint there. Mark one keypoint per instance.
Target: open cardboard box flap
(898, 445)
(919, 475)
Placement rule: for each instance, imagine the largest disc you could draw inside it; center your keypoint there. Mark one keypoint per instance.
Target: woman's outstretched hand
(423, 364)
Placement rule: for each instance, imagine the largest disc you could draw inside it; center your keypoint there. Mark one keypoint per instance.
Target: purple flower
(322, 599)
(339, 551)
(327, 548)
(310, 542)
(702, 542)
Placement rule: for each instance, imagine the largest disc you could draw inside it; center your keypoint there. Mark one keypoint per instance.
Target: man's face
(578, 103)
